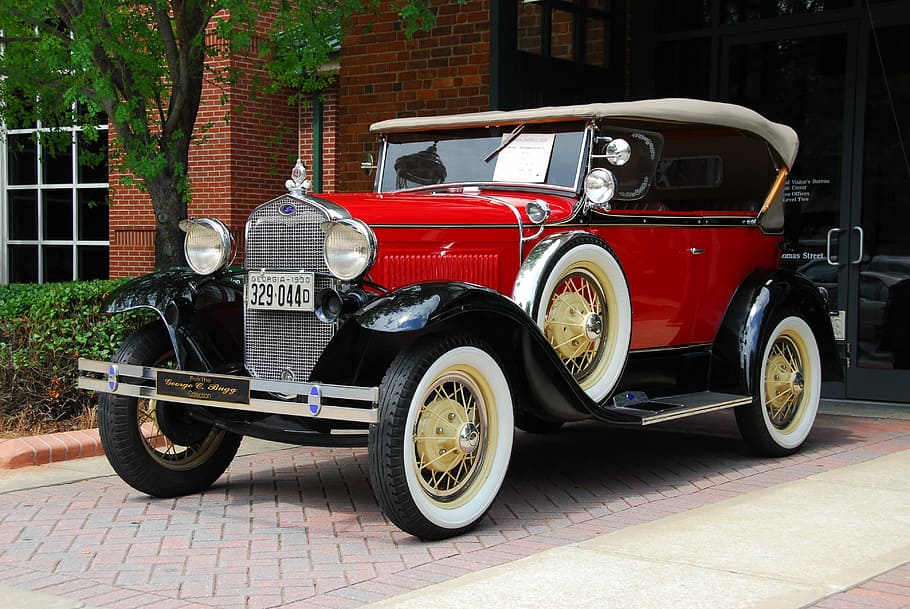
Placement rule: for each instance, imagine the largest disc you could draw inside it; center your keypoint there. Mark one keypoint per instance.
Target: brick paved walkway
(300, 528)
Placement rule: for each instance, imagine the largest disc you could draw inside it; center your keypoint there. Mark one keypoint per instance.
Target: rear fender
(364, 347)
(203, 315)
(761, 298)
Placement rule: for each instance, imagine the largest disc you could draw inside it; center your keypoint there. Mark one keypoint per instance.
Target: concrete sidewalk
(780, 548)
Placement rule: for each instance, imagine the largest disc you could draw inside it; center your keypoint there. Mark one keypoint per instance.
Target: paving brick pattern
(300, 528)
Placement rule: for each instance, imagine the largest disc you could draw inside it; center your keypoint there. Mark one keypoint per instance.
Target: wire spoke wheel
(163, 449)
(583, 309)
(784, 381)
(441, 448)
(576, 321)
(451, 436)
(156, 446)
(787, 392)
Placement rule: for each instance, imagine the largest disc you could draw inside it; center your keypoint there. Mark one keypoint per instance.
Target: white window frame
(74, 186)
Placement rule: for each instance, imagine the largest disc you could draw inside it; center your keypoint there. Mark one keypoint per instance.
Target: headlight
(600, 186)
(350, 248)
(208, 245)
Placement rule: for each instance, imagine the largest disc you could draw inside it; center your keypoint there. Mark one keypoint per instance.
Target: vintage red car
(616, 262)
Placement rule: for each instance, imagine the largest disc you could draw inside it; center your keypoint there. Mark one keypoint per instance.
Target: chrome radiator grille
(280, 342)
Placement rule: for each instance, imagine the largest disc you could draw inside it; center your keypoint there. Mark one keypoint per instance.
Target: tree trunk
(169, 210)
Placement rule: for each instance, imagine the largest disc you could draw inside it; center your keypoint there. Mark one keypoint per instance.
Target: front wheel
(442, 445)
(787, 391)
(154, 446)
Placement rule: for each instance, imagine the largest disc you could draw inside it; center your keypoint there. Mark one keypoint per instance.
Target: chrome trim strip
(688, 412)
(128, 385)
(521, 232)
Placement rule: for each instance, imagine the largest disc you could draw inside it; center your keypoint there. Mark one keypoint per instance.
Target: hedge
(44, 329)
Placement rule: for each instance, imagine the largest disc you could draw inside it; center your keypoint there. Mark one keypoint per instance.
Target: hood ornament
(298, 185)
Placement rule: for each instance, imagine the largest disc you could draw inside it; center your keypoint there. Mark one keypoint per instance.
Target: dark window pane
(93, 214)
(93, 262)
(93, 158)
(735, 11)
(530, 24)
(595, 42)
(23, 263)
(23, 214)
(562, 35)
(682, 15)
(883, 329)
(23, 159)
(58, 167)
(683, 68)
(58, 263)
(57, 214)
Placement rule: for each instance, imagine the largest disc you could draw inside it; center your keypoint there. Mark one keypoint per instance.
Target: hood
(481, 208)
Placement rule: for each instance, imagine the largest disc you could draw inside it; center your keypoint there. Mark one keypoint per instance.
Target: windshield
(545, 155)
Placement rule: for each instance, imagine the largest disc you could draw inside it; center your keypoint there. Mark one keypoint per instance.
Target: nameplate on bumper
(202, 387)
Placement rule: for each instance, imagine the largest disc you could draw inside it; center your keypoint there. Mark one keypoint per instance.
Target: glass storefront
(838, 71)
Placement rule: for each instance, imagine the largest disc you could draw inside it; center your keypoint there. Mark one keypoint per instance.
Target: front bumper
(312, 400)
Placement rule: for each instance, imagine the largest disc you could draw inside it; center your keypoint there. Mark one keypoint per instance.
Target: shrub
(44, 329)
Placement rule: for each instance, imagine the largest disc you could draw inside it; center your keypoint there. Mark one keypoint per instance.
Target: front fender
(761, 299)
(203, 315)
(364, 347)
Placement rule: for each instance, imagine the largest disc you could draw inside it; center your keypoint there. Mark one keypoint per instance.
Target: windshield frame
(581, 164)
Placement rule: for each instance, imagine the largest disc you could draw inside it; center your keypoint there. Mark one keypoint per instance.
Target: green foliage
(44, 329)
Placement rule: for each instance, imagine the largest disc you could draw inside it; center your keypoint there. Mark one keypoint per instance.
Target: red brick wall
(386, 75)
(235, 166)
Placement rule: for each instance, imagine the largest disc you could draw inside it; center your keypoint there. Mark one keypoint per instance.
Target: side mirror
(368, 164)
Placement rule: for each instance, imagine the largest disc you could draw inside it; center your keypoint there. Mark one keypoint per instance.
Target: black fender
(365, 345)
(203, 315)
(760, 299)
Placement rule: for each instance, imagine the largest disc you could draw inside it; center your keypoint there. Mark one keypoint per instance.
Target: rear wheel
(442, 445)
(787, 391)
(153, 445)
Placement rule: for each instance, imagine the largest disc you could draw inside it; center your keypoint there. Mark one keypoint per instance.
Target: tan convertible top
(781, 137)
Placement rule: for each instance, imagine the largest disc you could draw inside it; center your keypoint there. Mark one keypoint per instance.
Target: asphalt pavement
(680, 516)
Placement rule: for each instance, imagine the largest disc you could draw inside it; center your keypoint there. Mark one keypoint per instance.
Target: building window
(55, 207)
(574, 30)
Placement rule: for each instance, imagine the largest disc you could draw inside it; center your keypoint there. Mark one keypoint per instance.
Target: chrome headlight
(350, 248)
(600, 186)
(208, 245)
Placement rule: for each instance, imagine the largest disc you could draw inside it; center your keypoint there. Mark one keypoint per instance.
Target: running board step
(636, 406)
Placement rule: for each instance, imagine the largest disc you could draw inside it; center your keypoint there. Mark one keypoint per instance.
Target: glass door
(844, 87)
(806, 79)
(879, 262)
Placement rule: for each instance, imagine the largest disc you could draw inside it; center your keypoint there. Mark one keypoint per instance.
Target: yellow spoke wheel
(786, 392)
(441, 448)
(155, 446)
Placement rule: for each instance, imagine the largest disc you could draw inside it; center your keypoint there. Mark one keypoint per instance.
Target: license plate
(273, 291)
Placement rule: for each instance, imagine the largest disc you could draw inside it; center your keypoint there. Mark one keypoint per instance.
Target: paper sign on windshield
(526, 159)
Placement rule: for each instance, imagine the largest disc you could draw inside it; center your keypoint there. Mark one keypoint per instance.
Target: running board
(637, 407)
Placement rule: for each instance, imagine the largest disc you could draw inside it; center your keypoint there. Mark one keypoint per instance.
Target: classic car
(616, 262)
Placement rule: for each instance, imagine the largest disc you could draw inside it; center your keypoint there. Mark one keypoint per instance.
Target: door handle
(862, 236)
(695, 251)
(832, 260)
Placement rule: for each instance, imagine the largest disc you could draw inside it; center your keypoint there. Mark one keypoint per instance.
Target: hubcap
(784, 382)
(574, 324)
(450, 435)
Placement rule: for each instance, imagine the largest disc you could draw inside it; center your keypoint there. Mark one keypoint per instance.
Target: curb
(49, 448)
